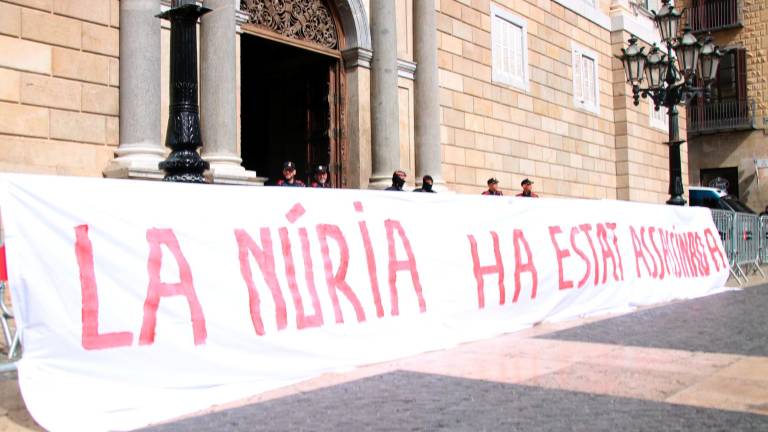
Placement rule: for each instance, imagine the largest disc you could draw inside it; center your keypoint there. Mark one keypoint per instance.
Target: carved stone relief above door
(308, 21)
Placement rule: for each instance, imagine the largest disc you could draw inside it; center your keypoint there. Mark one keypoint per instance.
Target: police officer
(426, 185)
(321, 178)
(527, 192)
(398, 181)
(289, 176)
(493, 187)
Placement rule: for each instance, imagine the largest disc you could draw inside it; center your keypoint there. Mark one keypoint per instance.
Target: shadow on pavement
(733, 322)
(410, 401)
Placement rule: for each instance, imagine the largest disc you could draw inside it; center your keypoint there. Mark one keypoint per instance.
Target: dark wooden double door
(290, 109)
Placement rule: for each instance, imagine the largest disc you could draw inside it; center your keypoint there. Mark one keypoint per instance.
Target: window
(731, 81)
(658, 119)
(726, 179)
(586, 84)
(509, 34)
(713, 15)
(730, 107)
(650, 5)
(730, 85)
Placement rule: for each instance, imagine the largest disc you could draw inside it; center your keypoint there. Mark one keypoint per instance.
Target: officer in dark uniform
(527, 192)
(289, 176)
(426, 185)
(493, 187)
(321, 178)
(398, 181)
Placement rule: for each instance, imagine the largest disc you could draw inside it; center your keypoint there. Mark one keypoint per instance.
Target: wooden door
(335, 123)
(323, 132)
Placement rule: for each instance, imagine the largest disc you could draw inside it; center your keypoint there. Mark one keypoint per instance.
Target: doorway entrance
(726, 179)
(290, 109)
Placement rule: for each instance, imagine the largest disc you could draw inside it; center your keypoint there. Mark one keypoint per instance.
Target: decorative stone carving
(305, 20)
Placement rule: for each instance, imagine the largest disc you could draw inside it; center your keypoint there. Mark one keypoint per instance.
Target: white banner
(143, 301)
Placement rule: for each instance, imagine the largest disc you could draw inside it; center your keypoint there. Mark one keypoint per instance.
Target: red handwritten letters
(583, 255)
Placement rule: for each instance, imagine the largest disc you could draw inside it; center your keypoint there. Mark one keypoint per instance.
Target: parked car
(714, 198)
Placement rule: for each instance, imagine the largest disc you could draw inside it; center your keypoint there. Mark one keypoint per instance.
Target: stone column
(426, 93)
(140, 149)
(218, 97)
(385, 122)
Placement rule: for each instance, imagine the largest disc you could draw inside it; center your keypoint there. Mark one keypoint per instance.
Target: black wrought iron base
(184, 166)
(677, 200)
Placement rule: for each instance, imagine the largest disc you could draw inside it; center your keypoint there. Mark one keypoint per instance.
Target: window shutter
(498, 56)
(516, 40)
(741, 74)
(578, 83)
(588, 76)
(508, 50)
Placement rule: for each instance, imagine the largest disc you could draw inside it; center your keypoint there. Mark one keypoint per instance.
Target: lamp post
(184, 164)
(668, 82)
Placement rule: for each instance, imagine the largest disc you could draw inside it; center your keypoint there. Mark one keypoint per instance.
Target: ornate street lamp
(656, 69)
(663, 83)
(184, 164)
(687, 50)
(709, 60)
(668, 20)
(634, 60)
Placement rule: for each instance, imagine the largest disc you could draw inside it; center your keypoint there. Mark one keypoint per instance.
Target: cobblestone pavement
(698, 365)
(411, 401)
(734, 322)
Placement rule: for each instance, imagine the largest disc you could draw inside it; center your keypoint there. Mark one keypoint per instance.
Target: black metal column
(671, 97)
(183, 137)
(675, 163)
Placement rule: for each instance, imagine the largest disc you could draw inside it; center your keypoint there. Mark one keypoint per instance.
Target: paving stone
(733, 322)
(408, 401)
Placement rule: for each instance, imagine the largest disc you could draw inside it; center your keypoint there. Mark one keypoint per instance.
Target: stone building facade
(463, 90)
(728, 137)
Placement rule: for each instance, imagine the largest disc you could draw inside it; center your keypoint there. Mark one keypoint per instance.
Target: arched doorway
(292, 87)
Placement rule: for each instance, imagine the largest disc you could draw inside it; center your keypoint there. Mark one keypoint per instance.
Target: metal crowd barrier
(724, 222)
(11, 335)
(747, 235)
(745, 238)
(763, 239)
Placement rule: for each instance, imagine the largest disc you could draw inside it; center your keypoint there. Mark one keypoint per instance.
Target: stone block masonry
(58, 85)
(493, 129)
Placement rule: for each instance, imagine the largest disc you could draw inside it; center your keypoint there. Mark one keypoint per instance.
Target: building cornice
(621, 18)
(592, 13)
(357, 57)
(638, 25)
(406, 69)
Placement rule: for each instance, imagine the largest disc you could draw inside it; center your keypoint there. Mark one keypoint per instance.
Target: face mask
(427, 187)
(397, 181)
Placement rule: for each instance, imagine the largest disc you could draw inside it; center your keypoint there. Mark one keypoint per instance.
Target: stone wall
(58, 85)
(492, 130)
(755, 38)
(737, 150)
(59, 100)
